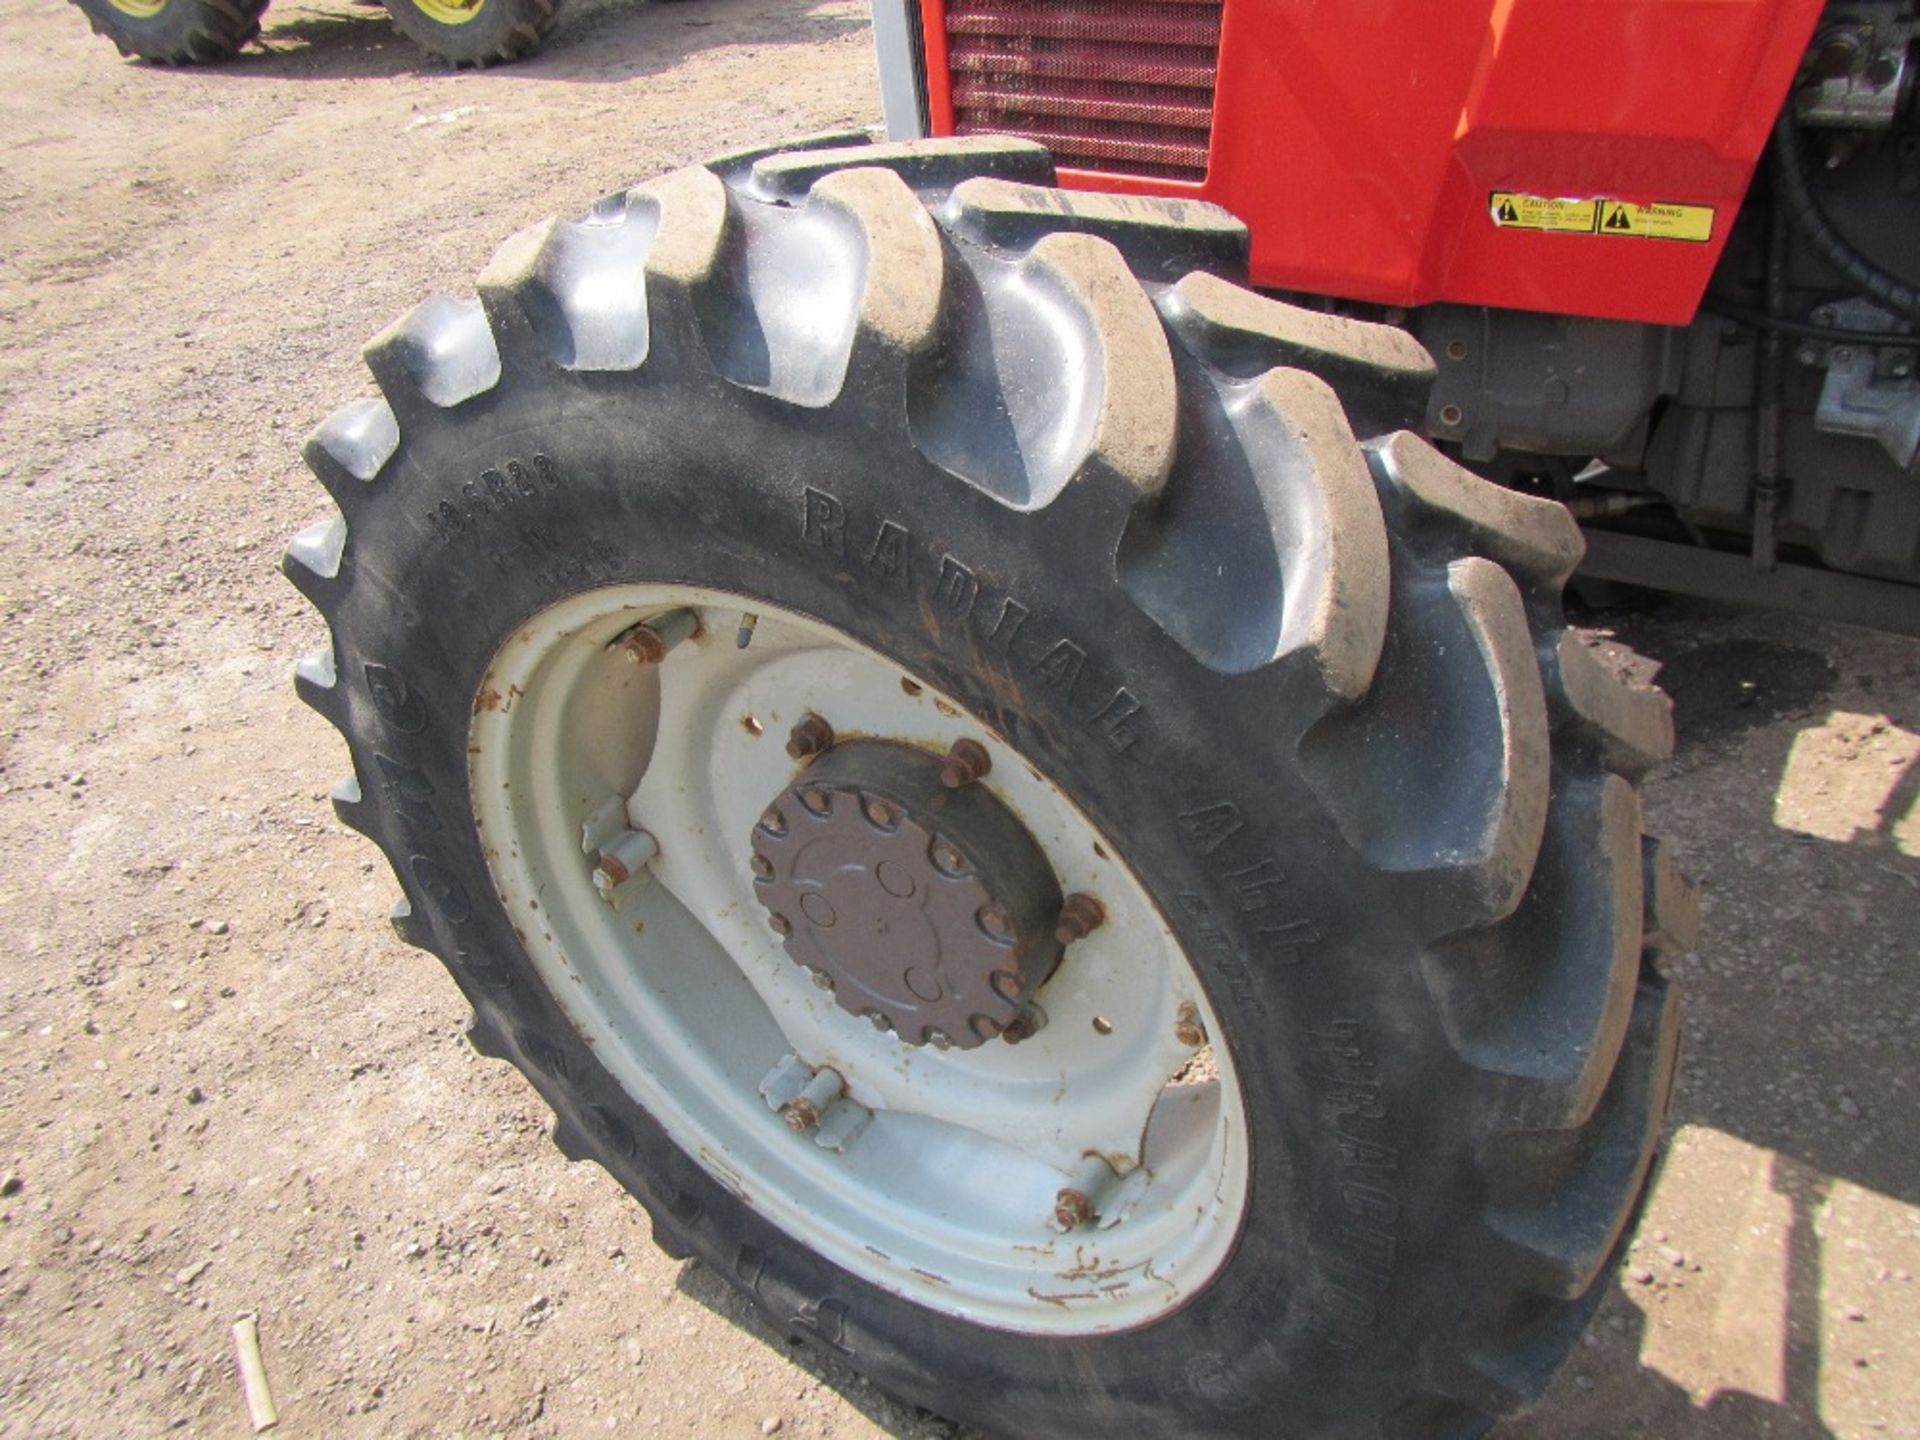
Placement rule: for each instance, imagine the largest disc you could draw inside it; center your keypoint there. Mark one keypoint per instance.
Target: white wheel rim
(687, 997)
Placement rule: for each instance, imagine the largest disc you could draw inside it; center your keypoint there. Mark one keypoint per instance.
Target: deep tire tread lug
(439, 355)
(1631, 726)
(928, 166)
(1382, 374)
(1161, 239)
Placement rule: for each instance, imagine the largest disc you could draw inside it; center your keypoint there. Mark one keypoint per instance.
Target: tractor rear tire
(489, 32)
(1172, 548)
(175, 32)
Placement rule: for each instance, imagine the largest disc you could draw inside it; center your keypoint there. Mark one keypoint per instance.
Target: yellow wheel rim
(441, 12)
(139, 9)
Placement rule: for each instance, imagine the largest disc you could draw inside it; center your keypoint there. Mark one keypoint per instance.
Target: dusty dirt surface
(225, 1087)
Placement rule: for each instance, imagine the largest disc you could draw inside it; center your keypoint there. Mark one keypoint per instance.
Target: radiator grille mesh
(1125, 88)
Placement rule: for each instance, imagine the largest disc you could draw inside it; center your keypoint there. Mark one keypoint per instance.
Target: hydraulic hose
(1795, 186)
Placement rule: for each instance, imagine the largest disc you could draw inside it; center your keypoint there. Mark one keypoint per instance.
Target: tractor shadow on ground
(597, 42)
(1798, 1002)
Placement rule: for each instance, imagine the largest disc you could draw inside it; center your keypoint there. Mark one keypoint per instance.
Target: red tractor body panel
(1411, 151)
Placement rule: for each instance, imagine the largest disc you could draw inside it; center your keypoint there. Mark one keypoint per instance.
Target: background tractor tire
(1175, 544)
(175, 32)
(486, 32)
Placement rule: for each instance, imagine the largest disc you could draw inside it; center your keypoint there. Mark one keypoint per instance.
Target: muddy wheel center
(925, 909)
(896, 991)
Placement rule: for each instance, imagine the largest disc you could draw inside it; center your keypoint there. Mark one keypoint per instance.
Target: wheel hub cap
(928, 910)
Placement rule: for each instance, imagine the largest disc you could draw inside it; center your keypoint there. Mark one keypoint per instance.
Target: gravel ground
(224, 1087)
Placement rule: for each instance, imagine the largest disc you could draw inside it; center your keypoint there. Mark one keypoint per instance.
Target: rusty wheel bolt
(774, 823)
(763, 867)
(1005, 983)
(939, 1039)
(820, 802)
(809, 738)
(821, 979)
(985, 1026)
(882, 814)
(1080, 916)
(1187, 1028)
(966, 762)
(879, 1021)
(781, 925)
(1028, 1023)
(802, 1115)
(1072, 1209)
(948, 859)
(996, 922)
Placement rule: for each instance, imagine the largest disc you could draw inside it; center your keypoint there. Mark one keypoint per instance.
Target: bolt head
(878, 1021)
(801, 1116)
(947, 858)
(1080, 916)
(1071, 1209)
(818, 801)
(1025, 1025)
(781, 925)
(762, 867)
(821, 980)
(939, 1039)
(997, 923)
(881, 814)
(966, 762)
(774, 823)
(809, 737)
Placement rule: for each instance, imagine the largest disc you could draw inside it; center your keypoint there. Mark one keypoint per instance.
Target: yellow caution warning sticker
(1543, 212)
(1600, 215)
(1693, 223)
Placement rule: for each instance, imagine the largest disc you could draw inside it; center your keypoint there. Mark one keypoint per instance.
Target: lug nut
(996, 922)
(948, 859)
(781, 925)
(763, 867)
(1080, 916)
(966, 762)
(774, 823)
(621, 857)
(649, 643)
(1029, 1022)
(817, 800)
(1078, 1202)
(812, 736)
(985, 1026)
(882, 814)
(1071, 1209)
(821, 980)
(939, 1039)
(1187, 1028)
(1005, 983)
(804, 1110)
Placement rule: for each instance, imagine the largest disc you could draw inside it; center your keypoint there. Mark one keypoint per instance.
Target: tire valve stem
(649, 642)
(1078, 1202)
(743, 637)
